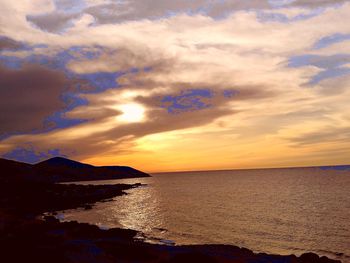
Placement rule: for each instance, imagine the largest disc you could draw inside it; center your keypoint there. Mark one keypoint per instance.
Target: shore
(25, 237)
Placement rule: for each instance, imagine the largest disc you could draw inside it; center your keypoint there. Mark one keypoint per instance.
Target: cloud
(53, 22)
(332, 66)
(9, 44)
(222, 8)
(328, 134)
(330, 40)
(28, 96)
(133, 10)
(148, 9)
(317, 3)
(70, 6)
(116, 60)
(110, 12)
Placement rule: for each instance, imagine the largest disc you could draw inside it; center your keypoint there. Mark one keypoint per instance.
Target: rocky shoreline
(53, 241)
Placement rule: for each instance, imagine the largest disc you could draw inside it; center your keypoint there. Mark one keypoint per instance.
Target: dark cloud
(121, 11)
(221, 8)
(150, 9)
(114, 12)
(327, 135)
(116, 60)
(268, 124)
(317, 3)
(189, 97)
(53, 22)
(135, 10)
(97, 113)
(9, 44)
(28, 96)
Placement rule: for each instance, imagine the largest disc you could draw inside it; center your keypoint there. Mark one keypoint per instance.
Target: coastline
(24, 236)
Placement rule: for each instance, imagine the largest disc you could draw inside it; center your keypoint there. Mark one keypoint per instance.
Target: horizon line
(192, 171)
(248, 169)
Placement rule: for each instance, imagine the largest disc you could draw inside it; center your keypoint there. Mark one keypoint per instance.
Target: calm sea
(283, 211)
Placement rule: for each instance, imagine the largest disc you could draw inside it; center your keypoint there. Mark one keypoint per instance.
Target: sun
(131, 112)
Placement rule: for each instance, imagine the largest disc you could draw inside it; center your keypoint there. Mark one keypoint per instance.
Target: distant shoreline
(345, 167)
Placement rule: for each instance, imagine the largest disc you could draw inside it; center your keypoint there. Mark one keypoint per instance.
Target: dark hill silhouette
(60, 169)
(12, 171)
(60, 161)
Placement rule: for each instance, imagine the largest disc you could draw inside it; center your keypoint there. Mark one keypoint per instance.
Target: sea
(279, 211)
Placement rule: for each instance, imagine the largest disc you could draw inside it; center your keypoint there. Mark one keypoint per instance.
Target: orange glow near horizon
(156, 155)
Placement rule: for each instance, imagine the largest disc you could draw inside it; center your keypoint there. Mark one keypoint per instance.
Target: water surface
(283, 211)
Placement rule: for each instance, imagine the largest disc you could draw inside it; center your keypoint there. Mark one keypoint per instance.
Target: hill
(60, 169)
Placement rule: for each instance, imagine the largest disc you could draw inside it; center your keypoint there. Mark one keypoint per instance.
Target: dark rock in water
(87, 207)
(309, 257)
(191, 257)
(314, 258)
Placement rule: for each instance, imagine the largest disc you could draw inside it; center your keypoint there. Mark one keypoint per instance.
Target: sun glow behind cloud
(131, 112)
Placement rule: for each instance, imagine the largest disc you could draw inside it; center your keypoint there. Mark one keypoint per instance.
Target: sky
(165, 85)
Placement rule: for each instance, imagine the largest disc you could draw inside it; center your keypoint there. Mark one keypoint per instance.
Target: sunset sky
(164, 85)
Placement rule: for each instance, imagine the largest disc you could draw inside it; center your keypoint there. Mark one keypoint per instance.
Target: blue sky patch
(29, 155)
(188, 100)
(264, 16)
(229, 93)
(70, 6)
(58, 120)
(330, 40)
(101, 81)
(332, 65)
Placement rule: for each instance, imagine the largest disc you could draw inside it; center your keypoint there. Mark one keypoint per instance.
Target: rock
(87, 207)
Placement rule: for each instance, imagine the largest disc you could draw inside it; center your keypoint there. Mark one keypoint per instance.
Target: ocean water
(282, 211)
